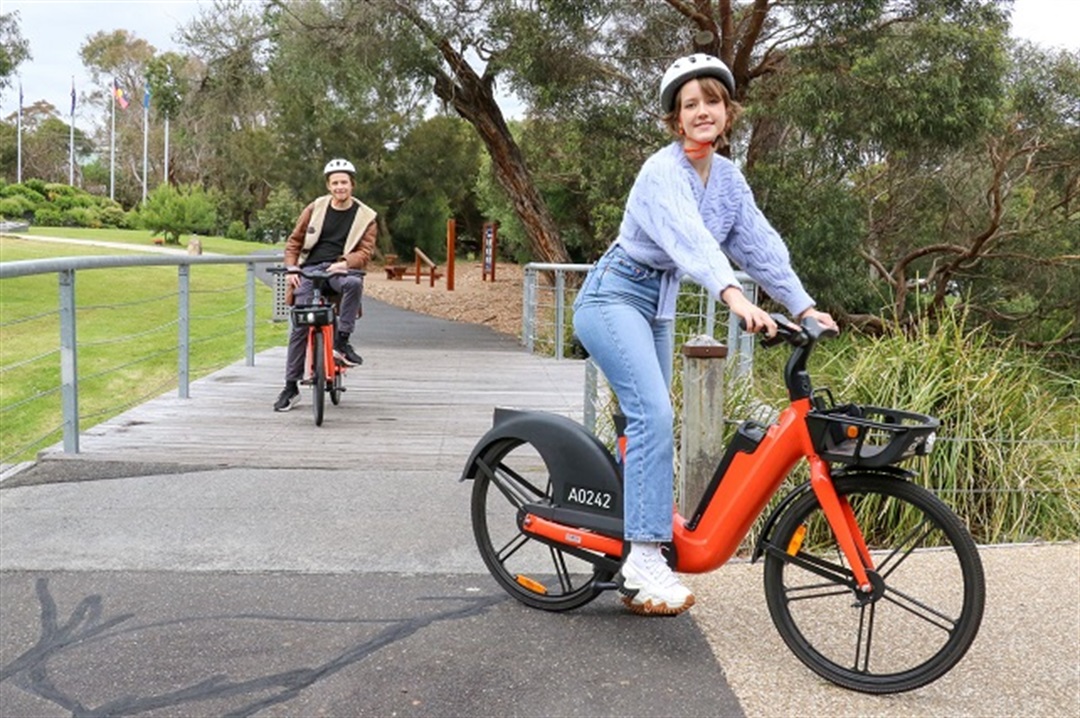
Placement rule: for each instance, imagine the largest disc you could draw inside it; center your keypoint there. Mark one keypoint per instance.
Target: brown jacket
(359, 245)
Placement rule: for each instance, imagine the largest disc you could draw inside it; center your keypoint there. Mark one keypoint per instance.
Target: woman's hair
(713, 90)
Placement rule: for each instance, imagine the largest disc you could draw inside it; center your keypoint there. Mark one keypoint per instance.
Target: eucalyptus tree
(46, 143)
(14, 48)
(118, 59)
(230, 141)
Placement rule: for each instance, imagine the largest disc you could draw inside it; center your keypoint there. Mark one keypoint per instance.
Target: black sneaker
(344, 353)
(287, 399)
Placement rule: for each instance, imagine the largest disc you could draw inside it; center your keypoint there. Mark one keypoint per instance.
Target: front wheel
(928, 596)
(318, 376)
(512, 474)
(337, 386)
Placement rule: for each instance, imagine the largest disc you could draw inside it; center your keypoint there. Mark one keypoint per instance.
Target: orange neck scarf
(697, 150)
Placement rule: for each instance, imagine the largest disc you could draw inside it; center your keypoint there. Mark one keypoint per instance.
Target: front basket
(870, 435)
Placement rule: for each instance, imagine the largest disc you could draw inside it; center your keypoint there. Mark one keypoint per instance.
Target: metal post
(250, 342)
(742, 341)
(183, 331)
(528, 314)
(560, 311)
(69, 375)
(591, 373)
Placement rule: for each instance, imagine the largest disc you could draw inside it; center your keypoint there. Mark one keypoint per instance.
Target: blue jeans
(615, 320)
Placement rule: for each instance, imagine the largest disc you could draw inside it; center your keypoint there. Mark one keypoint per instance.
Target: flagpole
(18, 141)
(71, 139)
(166, 180)
(145, 131)
(112, 148)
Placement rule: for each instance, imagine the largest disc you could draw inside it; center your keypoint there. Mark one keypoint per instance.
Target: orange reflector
(852, 431)
(534, 586)
(796, 540)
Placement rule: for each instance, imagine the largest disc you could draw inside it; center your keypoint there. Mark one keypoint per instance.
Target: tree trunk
(473, 98)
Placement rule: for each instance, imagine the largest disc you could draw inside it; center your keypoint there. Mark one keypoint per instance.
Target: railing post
(69, 375)
(528, 314)
(183, 330)
(249, 343)
(591, 379)
(702, 438)
(560, 311)
(742, 341)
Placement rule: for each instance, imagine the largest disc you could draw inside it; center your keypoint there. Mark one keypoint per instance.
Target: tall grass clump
(1007, 457)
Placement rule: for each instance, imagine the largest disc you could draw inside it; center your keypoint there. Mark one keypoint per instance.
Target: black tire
(318, 377)
(534, 573)
(337, 386)
(928, 604)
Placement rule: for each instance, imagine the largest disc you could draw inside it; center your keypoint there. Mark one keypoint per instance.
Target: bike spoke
(511, 547)
(561, 571)
(814, 590)
(905, 547)
(920, 610)
(864, 638)
(837, 573)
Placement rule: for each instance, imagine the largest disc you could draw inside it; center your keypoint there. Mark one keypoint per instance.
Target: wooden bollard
(702, 442)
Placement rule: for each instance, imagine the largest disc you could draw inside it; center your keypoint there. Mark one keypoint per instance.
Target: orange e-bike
(323, 371)
(871, 580)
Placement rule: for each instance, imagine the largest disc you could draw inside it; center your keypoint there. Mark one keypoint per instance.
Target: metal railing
(547, 310)
(66, 268)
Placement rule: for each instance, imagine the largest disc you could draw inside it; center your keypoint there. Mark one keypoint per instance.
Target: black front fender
(766, 530)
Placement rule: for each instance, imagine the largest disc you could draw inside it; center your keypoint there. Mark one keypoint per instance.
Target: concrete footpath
(223, 575)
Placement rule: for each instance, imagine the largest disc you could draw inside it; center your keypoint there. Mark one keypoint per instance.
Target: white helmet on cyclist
(339, 165)
(691, 67)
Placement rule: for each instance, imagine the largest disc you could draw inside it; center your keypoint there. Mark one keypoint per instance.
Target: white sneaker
(649, 586)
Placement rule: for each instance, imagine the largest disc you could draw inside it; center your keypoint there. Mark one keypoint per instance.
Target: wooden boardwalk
(423, 397)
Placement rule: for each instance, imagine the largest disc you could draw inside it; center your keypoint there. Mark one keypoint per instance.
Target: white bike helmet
(339, 165)
(688, 68)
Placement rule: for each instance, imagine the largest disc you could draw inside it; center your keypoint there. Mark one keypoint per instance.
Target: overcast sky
(57, 28)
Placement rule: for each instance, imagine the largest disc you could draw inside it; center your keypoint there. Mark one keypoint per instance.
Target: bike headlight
(309, 318)
(928, 444)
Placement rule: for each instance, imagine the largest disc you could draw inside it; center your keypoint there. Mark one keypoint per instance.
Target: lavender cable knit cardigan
(682, 227)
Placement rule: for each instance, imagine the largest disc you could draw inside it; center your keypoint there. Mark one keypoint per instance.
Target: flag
(146, 96)
(20, 97)
(72, 96)
(118, 93)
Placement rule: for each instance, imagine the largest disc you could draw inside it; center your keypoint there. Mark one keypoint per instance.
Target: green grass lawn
(127, 333)
(218, 245)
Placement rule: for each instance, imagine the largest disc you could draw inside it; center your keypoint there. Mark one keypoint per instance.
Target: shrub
(173, 211)
(82, 217)
(16, 207)
(37, 185)
(48, 217)
(236, 230)
(15, 190)
(1006, 459)
(113, 215)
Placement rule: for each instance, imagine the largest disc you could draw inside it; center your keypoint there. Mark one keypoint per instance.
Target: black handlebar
(314, 273)
(788, 332)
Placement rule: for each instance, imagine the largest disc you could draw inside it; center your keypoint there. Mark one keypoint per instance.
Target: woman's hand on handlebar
(823, 318)
(338, 267)
(754, 318)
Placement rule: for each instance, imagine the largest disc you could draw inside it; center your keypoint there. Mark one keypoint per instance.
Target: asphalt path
(164, 589)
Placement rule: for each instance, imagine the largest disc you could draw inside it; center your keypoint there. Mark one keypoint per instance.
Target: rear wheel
(318, 376)
(513, 474)
(928, 597)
